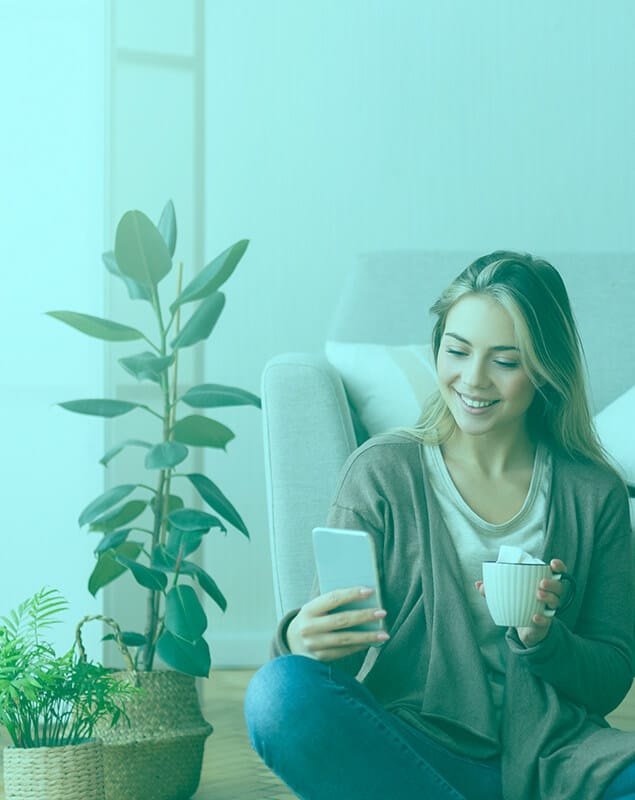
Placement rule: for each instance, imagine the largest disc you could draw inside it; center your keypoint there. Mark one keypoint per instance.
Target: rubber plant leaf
(140, 250)
(116, 449)
(208, 585)
(146, 366)
(133, 639)
(108, 568)
(129, 638)
(191, 658)
(174, 503)
(200, 431)
(163, 560)
(111, 540)
(214, 395)
(167, 227)
(191, 519)
(145, 576)
(105, 501)
(119, 516)
(182, 543)
(165, 455)
(97, 327)
(100, 408)
(184, 615)
(201, 323)
(215, 499)
(213, 276)
(135, 290)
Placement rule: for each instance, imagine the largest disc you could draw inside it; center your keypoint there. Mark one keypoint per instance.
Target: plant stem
(151, 411)
(162, 497)
(177, 321)
(170, 410)
(154, 599)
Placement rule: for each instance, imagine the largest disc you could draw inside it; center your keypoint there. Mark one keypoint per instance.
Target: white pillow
(615, 426)
(387, 385)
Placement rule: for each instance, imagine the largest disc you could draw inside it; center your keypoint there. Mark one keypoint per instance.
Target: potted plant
(146, 528)
(50, 706)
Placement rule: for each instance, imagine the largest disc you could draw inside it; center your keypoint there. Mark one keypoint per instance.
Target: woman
(449, 705)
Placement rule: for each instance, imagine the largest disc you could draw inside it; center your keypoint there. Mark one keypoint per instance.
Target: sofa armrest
(308, 435)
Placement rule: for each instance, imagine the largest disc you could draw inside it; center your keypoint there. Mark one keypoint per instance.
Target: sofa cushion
(387, 385)
(615, 426)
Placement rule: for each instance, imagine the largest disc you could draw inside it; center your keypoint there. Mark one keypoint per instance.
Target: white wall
(336, 128)
(52, 216)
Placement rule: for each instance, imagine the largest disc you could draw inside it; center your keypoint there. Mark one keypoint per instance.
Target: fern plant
(159, 553)
(45, 699)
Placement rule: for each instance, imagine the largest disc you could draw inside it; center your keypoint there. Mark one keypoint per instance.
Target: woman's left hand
(550, 592)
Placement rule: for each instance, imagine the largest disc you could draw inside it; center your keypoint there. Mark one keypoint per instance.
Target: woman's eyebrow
(497, 347)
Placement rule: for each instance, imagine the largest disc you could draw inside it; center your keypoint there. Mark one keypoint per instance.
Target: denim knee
(279, 696)
(622, 786)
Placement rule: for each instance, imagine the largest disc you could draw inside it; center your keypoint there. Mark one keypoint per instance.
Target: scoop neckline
(495, 527)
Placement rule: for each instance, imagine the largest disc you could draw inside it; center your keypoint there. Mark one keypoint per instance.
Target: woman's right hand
(319, 631)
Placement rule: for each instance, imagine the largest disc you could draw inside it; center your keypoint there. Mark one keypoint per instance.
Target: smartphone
(345, 559)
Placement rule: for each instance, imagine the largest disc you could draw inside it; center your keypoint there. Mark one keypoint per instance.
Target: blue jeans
(623, 786)
(325, 735)
(327, 738)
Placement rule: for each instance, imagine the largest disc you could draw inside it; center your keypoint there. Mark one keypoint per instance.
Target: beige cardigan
(554, 742)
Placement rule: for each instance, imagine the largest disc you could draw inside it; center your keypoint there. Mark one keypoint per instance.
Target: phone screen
(345, 559)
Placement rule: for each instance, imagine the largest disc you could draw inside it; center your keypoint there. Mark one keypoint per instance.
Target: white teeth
(476, 403)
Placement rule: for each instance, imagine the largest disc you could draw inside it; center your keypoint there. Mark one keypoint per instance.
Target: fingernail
(365, 591)
(379, 613)
(382, 637)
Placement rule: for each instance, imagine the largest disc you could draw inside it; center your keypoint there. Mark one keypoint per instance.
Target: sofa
(376, 368)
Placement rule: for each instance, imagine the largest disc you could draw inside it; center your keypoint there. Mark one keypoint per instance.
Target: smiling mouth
(472, 403)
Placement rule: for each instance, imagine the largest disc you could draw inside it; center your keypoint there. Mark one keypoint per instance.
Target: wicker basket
(160, 754)
(71, 772)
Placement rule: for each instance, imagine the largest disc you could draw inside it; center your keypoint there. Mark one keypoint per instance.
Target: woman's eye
(507, 364)
(454, 352)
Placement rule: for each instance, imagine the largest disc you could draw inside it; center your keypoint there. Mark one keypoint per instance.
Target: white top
(476, 541)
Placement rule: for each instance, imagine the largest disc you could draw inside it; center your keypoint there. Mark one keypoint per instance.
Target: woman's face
(480, 375)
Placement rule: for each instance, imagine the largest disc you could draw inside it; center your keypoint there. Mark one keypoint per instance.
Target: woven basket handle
(123, 649)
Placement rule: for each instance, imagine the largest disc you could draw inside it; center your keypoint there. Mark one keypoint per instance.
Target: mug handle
(562, 576)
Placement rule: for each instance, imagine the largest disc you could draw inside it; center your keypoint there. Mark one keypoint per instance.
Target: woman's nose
(475, 374)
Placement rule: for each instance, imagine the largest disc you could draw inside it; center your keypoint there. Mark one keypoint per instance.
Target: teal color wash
(341, 127)
(332, 128)
(52, 212)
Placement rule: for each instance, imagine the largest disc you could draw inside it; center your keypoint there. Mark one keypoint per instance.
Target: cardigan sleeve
(591, 662)
(352, 499)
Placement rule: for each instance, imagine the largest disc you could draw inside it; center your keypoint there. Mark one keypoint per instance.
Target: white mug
(511, 591)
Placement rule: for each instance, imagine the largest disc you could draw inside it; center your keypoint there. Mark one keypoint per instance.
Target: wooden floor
(232, 771)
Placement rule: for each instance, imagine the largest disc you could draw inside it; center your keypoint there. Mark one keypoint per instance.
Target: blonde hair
(534, 295)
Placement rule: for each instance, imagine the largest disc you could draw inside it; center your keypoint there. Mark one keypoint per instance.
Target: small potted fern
(50, 706)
